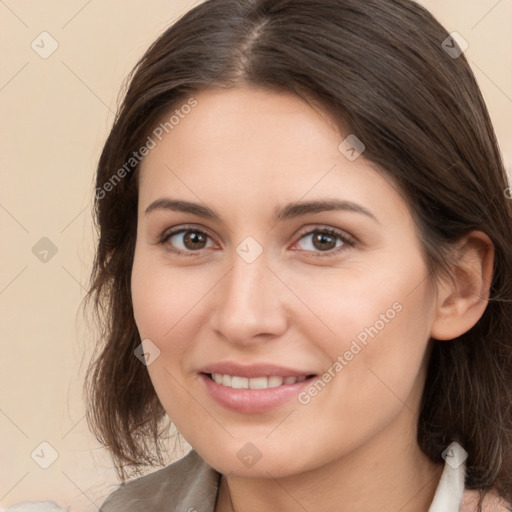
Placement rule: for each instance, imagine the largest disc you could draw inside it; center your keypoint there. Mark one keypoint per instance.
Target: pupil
(323, 241)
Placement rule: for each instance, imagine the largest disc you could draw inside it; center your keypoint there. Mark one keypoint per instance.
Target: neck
(387, 473)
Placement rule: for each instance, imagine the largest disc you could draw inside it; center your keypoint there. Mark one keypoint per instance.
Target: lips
(253, 388)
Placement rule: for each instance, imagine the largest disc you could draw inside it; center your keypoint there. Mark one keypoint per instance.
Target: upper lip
(253, 370)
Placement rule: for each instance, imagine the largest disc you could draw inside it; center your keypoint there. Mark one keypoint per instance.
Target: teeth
(236, 382)
(239, 382)
(258, 383)
(274, 382)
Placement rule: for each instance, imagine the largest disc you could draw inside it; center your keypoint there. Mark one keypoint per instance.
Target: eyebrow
(281, 213)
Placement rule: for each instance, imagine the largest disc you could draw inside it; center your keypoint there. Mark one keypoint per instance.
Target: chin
(245, 460)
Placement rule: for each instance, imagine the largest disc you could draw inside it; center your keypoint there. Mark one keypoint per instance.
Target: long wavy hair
(383, 69)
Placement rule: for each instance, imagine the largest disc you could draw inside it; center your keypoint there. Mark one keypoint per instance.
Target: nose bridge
(248, 286)
(249, 304)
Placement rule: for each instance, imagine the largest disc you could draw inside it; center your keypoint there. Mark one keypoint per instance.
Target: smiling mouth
(237, 382)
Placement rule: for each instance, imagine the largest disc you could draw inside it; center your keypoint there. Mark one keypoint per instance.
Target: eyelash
(345, 239)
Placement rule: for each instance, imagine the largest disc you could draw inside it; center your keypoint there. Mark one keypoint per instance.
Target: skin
(243, 152)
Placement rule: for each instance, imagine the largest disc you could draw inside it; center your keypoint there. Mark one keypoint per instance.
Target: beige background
(55, 115)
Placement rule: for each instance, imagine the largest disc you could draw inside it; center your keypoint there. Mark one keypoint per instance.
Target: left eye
(323, 241)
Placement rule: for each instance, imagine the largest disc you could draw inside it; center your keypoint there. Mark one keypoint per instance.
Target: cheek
(365, 302)
(165, 308)
(169, 306)
(374, 327)
(164, 298)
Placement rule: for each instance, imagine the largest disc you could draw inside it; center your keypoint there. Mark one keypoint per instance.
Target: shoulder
(492, 502)
(189, 484)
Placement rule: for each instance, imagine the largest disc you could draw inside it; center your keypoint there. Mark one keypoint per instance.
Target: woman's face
(292, 271)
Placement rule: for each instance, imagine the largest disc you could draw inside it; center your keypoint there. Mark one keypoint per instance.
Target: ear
(463, 297)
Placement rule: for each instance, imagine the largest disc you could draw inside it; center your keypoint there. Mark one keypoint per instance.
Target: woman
(304, 261)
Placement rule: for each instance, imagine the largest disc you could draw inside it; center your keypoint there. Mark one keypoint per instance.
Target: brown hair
(380, 67)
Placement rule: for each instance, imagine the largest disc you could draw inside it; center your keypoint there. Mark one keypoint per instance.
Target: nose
(248, 303)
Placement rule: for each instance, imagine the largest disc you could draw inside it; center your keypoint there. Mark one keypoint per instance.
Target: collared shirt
(191, 485)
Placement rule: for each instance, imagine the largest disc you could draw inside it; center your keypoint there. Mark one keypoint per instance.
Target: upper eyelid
(185, 227)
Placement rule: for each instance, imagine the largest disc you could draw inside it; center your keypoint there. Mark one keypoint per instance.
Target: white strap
(450, 490)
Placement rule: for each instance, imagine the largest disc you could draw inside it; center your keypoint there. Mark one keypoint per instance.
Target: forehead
(239, 123)
(262, 146)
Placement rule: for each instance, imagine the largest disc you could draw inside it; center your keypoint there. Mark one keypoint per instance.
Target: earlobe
(463, 297)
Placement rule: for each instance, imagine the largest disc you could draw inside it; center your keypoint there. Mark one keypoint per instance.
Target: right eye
(186, 240)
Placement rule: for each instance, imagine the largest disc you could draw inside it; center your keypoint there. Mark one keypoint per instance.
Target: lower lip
(250, 401)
